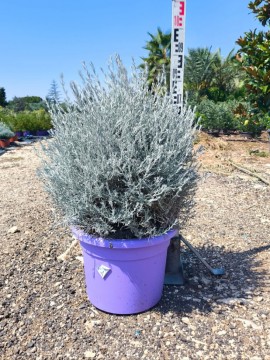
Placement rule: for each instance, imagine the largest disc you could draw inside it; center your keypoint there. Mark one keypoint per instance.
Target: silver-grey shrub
(5, 132)
(121, 162)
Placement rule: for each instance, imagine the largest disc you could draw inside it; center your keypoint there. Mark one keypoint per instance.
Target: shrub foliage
(216, 116)
(121, 163)
(254, 54)
(26, 120)
(5, 132)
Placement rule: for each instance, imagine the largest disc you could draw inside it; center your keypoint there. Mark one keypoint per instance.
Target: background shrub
(250, 121)
(5, 132)
(217, 116)
(26, 120)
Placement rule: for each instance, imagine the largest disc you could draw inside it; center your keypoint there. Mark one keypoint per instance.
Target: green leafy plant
(258, 153)
(5, 132)
(208, 74)
(26, 103)
(26, 120)
(216, 116)
(246, 121)
(254, 56)
(158, 59)
(121, 161)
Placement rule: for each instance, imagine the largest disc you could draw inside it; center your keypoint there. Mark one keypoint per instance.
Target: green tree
(227, 82)
(199, 71)
(254, 56)
(159, 57)
(54, 95)
(209, 75)
(26, 103)
(3, 100)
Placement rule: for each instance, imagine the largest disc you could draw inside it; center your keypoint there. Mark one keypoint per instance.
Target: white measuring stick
(177, 51)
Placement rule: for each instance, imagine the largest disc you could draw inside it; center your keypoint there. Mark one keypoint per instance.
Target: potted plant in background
(6, 135)
(121, 169)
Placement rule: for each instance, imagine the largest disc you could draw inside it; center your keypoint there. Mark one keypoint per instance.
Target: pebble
(259, 298)
(205, 281)
(222, 333)
(89, 354)
(13, 230)
(96, 322)
(185, 320)
(232, 301)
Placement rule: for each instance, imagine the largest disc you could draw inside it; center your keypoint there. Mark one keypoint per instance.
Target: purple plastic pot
(124, 276)
(42, 133)
(19, 133)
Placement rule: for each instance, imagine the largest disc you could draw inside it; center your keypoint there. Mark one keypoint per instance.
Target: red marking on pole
(178, 21)
(181, 8)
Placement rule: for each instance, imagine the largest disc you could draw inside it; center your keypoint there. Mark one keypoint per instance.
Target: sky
(40, 40)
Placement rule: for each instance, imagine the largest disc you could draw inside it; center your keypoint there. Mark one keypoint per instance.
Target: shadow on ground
(244, 276)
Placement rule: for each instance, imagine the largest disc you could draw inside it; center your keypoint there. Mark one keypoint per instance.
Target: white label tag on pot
(103, 270)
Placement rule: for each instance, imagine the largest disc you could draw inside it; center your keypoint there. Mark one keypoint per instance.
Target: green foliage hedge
(216, 116)
(230, 115)
(26, 120)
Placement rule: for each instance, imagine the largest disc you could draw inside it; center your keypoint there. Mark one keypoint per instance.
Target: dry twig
(249, 172)
(63, 257)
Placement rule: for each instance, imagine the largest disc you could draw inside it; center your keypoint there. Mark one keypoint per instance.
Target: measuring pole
(174, 267)
(177, 51)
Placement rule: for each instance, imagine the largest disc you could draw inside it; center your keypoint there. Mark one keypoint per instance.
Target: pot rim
(122, 243)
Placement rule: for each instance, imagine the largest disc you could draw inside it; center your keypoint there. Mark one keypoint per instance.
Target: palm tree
(209, 75)
(199, 70)
(227, 77)
(159, 56)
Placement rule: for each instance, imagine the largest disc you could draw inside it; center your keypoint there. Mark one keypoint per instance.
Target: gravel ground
(44, 310)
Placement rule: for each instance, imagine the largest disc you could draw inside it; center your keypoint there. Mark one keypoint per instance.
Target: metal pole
(177, 51)
(174, 270)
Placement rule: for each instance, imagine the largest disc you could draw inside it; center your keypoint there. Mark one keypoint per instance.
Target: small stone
(137, 333)
(30, 344)
(259, 298)
(205, 281)
(232, 301)
(79, 258)
(88, 325)
(221, 333)
(96, 322)
(248, 323)
(89, 354)
(13, 230)
(185, 320)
